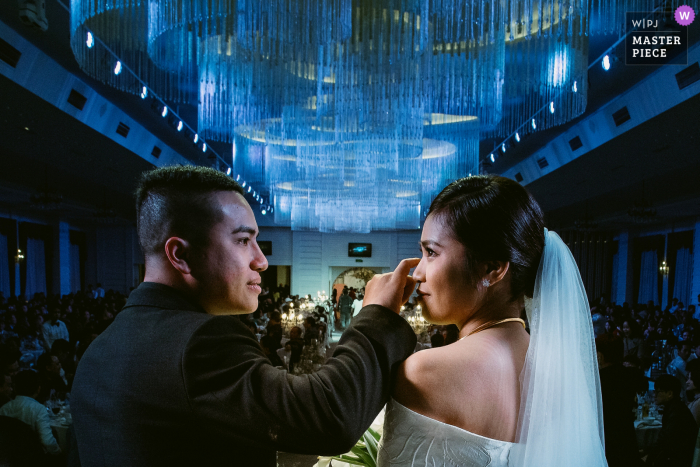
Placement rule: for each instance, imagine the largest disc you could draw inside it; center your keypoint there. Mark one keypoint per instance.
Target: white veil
(561, 411)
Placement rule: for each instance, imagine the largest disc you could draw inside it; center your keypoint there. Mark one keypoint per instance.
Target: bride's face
(444, 292)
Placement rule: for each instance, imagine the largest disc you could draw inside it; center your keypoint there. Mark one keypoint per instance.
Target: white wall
(317, 258)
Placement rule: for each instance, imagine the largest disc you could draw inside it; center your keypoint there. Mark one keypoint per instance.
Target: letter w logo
(685, 15)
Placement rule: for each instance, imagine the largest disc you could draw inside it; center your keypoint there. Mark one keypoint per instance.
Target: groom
(176, 380)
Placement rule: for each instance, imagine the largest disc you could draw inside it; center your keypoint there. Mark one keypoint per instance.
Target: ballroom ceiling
(93, 173)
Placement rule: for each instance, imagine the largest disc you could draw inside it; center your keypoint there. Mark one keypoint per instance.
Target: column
(695, 288)
(61, 258)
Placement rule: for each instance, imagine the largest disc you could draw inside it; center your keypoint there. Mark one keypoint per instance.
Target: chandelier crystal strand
(467, 64)
(546, 52)
(101, 28)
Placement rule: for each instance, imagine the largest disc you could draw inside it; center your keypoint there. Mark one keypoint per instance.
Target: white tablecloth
(647, 432)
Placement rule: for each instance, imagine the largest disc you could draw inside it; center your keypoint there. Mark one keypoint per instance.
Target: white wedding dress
(410, 439)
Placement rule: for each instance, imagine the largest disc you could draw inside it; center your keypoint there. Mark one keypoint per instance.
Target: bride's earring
(485, 282)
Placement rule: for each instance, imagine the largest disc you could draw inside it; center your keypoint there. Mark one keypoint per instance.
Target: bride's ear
(496, 271)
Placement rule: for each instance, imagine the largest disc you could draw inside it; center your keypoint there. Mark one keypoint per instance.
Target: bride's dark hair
(495, 219)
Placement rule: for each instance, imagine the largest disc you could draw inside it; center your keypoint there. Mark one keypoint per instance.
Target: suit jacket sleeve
(234, 390)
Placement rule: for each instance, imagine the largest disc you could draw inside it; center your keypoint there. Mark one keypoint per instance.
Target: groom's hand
(393, 289)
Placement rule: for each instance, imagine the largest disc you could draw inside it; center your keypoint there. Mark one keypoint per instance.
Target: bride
(499, 396)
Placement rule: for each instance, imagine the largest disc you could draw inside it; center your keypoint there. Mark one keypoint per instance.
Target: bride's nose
(419, 273)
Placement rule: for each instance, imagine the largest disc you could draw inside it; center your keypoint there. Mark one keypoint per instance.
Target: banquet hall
(342, 120)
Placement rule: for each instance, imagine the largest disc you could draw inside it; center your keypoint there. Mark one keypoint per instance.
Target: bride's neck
(495, 308)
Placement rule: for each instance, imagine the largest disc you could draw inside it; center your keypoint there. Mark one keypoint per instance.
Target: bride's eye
(430, 252)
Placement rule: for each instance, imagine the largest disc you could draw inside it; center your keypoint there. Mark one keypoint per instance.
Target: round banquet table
(647, 431)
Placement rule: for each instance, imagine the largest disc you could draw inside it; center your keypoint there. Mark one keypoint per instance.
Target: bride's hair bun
(496, 219)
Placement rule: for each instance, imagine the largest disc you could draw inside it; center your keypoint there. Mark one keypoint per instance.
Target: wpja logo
(655, 38)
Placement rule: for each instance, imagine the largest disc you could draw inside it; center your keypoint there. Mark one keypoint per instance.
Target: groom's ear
(496, 271)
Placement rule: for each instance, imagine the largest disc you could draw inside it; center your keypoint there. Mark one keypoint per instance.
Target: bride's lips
(421, 294)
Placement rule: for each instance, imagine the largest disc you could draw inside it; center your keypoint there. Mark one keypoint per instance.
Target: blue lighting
(249, 188)
(575, 87)
(606, 62)
(179, 126)
(493, 158)
(118, 68)
(228, 172)
(551, 107)
(90, 40)
(503, 148)
(238, 177)
(264, 211)
(165, 111)
(517, 137)
(243, 184)
(144, 92)
(196, 138)
(204, 147)
(534, 124)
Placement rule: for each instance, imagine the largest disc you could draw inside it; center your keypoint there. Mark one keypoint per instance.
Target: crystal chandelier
(352, 113)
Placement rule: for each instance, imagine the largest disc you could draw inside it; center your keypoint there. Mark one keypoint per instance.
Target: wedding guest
(5, 389)
(25, 408)
(310, 330)
(677, 366)
(619, 390)
(632, 343)
(345, 305)
(357, 304)
(693, 390)
(676, 442)
(54, 329)
(49, 368)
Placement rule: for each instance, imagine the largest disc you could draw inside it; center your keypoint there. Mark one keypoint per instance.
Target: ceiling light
(551, 107)
(179, 125)
(144, 92)
(238, 177)
(204, 147)
(228, 171)
(606, 62)
(196, 138)
(503, 148)
(249, 188)
(534, 124)
(243, 184)
(264, 211)
(492, 157)
(90, 40)
(517, 137)
(165, 111)
(118, 68)
(574, 87)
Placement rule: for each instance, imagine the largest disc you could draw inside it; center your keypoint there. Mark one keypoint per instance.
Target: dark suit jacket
(675, 445)
(168, 384)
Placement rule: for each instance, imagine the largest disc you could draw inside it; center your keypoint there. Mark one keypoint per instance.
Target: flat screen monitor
(360, 250)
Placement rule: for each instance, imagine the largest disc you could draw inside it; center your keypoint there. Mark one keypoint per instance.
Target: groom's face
(444, 290)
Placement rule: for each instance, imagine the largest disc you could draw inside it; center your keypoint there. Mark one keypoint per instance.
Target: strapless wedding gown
(410, 439)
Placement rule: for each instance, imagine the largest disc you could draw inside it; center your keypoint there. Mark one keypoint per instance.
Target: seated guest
(677, 366)
(676, 442)
(25, 408)
(310, 330)
(49, 368)
(693, 390)
(618, 385)
(54, 329)
(5, 389)
(437, 340)
(632, 343)
(66, 357)
(267, 344)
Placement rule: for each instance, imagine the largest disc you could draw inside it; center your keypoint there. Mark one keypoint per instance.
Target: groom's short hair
(179, 201)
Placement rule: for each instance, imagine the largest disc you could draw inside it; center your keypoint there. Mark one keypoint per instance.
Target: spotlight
(551, 107)
(606, 62)
(503, 148)
(263, 211)
(179, 125)
(204, 147)
(228, 172)
(470, 174)
(164, 113)
(238, 177)
(574, 87)
(492, 157)
(118, 68)
(249, 188)
(517, 137)
(243, 184)
(196, 138)
(90, 40)
(144, 92)
(534, 124)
